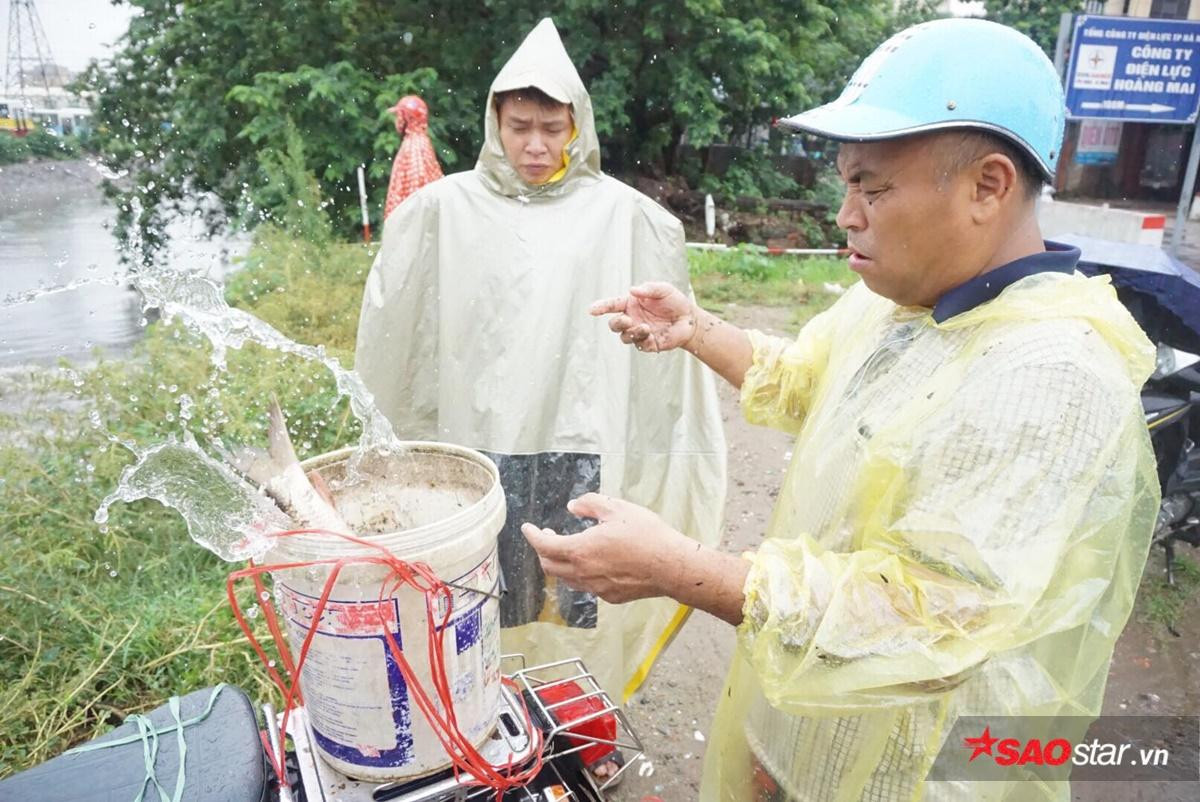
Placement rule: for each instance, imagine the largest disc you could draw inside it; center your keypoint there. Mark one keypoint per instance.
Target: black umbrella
(1162, 292)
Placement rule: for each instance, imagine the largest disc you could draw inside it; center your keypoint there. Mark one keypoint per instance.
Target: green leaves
(339, 114)
(13, 150)
(196, 103)
(1039, 21)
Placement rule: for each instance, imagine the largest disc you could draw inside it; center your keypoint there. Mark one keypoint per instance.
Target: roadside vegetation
(750, 277)
(1166, 606)
(40, 144)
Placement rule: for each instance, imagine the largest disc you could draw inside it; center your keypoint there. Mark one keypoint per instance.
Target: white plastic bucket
(434, 503)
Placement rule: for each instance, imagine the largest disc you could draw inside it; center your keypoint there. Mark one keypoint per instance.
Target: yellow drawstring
(566, 159)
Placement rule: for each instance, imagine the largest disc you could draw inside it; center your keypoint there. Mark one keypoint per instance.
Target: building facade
(1127, 162)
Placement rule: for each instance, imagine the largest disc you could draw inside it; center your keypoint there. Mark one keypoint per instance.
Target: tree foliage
(1037, 20)
(201, 91)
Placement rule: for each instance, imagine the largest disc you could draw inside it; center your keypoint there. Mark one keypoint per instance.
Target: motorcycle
(1163, 295)
(1171, 400)
(211, 745)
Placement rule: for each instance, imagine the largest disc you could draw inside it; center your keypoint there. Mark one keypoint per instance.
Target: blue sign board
(1134, 69)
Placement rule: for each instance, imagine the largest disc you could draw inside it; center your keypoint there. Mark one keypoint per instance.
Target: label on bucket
(353, 665)
(357, 699)
(475, 623)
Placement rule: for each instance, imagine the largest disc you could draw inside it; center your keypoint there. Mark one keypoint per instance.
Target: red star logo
(982, 745)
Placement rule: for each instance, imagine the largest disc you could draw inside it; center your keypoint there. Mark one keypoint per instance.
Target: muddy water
(56, 230)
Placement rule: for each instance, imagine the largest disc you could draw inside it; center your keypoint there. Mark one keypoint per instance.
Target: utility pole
(28, 56)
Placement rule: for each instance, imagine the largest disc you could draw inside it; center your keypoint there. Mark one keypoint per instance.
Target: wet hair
(973, 145)
(528, 93)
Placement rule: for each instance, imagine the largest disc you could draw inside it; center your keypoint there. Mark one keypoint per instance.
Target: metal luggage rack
(573, 670)
(511, 741)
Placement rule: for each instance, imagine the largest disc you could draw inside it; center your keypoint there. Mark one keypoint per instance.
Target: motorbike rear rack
(563, 738)
(511, 740)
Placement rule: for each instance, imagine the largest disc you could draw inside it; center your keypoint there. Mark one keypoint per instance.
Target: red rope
(463, 755)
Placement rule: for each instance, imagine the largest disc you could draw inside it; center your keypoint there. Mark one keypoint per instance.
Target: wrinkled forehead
(888, 155)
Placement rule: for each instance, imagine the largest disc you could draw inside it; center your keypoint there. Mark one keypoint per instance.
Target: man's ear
(997, 185)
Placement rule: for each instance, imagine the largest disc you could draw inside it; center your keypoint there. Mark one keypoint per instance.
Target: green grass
(1162, 605)
(743, 277)
(13, 149)
(97, 625)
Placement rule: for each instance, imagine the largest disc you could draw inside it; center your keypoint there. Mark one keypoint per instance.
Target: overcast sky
(78, 30)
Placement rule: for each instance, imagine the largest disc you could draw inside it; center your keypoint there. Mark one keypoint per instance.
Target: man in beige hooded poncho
(473, 332)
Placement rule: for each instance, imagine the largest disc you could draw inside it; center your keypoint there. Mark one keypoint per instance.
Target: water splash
(29, 296)
(223, 512)
(199, 303)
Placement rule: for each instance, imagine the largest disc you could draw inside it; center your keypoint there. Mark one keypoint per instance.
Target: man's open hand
(629, 554)
(654, 316)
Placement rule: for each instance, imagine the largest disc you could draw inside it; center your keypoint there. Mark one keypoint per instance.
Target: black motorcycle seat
(1158, 403)
(224, 759)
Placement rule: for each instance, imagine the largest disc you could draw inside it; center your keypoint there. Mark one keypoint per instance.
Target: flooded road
(56, 230)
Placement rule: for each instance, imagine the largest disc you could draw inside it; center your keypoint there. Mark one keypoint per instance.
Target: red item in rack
(602, 727)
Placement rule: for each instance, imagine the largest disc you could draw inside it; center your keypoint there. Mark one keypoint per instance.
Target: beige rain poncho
(475, 331)
(961, 531)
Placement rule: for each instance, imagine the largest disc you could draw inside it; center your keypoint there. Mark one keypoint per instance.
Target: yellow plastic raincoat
(475, 331)
(961, 531)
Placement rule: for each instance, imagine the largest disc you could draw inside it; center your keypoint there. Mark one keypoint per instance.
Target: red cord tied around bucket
(439, 711)
(415, 164)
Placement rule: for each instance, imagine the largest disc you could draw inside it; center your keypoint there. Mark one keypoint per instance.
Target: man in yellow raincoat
(471, 332)
(967, 513)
